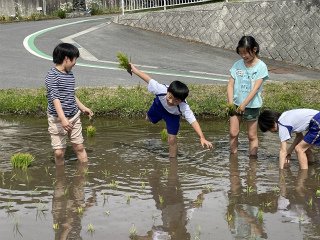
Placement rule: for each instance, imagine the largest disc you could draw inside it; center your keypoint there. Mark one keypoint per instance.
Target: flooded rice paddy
(130, 188)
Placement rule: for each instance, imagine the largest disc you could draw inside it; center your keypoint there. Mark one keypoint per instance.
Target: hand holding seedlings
(124, 62)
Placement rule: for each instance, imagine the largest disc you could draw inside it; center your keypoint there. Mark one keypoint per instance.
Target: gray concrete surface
(166, 58)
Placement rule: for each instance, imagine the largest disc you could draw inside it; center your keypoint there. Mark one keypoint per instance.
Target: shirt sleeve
(52, 87)
(262, 72)
(284, 133)
(187, 113)
(156, 88)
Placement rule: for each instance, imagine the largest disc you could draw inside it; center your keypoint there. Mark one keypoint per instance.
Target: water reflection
(68, 203)
(169, 199)
(242, 216)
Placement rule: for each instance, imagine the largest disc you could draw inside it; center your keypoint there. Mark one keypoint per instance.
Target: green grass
(21, 160)
(207, 101)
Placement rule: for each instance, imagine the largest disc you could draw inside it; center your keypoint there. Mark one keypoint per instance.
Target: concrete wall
(27, 7)
(286, 30)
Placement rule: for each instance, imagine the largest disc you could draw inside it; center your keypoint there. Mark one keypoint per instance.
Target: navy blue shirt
(61, 86)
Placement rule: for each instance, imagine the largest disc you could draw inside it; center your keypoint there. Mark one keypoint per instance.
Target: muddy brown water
(130, 187)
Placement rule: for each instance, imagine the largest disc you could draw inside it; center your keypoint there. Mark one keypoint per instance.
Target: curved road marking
(29, 44)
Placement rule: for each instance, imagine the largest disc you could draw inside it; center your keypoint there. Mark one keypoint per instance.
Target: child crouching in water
(293, 121)
(169, 104)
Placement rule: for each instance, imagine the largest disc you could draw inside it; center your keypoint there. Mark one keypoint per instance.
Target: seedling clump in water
(91, 131)
(164, 135)
(21, 160)
(124, 62)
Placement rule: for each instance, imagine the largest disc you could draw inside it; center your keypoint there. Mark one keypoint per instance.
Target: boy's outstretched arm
(203, 141)
(145, 77)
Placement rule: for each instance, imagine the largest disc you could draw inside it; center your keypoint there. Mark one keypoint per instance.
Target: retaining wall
(286, 30)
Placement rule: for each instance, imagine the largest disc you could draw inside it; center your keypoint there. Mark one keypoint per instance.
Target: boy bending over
(169, 104)
(293, 121)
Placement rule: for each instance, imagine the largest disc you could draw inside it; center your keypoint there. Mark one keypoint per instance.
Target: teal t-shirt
(244, 80)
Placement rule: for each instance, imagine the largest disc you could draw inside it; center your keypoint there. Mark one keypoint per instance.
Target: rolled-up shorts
(313, 135)
(157, 112)
(59, 135)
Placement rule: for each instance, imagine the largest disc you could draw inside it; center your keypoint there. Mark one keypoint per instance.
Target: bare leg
(59, 156)
(81, 153)
(234, 133)
(173, 145)
(253, 137)
(301, 149)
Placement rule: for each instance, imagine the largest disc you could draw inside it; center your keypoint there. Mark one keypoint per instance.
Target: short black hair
(179, 90)
(63, 50)
(248, 43)
(267, 119)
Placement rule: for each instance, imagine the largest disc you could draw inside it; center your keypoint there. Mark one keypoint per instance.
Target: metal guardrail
(135, 5)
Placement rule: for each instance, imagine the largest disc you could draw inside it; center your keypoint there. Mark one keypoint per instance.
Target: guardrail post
(122, 6)
(164, 4)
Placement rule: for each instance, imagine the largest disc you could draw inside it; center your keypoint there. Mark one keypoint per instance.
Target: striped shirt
(61, 86)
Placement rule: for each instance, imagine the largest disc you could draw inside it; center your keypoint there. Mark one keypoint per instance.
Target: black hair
(63, 50)
(179, 90)
(267, 120)
(248, 43)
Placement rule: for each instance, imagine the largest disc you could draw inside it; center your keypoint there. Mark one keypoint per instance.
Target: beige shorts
(59, 135)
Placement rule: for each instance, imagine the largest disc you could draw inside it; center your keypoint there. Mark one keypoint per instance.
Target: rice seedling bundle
(21, 160)
(124, 62)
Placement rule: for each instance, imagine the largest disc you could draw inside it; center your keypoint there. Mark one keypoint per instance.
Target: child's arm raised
(203, 141)
(145, 77)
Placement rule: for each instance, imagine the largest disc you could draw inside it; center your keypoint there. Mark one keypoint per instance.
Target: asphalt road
(26, 50)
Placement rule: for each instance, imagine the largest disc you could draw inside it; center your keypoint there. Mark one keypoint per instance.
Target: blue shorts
(313, 135)
(157, 112)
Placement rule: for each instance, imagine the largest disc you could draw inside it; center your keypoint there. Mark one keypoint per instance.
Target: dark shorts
(313, 135)
(157, 112)
(250, 114)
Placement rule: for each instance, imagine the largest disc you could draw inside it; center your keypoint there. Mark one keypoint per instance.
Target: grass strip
(207, 101)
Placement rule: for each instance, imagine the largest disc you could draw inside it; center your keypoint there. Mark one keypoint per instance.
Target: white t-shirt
(157, 88)
(294, 121)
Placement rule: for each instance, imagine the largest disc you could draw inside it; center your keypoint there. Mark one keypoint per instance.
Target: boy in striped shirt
(64, 107)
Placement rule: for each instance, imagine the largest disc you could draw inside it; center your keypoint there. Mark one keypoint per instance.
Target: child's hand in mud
(287, 161)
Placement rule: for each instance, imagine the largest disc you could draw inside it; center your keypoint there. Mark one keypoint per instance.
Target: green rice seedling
(318, 193)
(80, 210)
(231, 109)
(208, 188)
(55, 226)
(267, 204)
(161, 199)
(276, 189)
(249, 189)
(128, 199)
(165, 172)
(107, 212)
(229, 217)
(164, 135)
(143, 185)
(91, 131)
(21, 160)
(310, 202)
(260, 215)
(113, 184)
(90, 228)
(106, 173)
(133, 234)
(13, 177)
(301, 218)
(124, 62)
